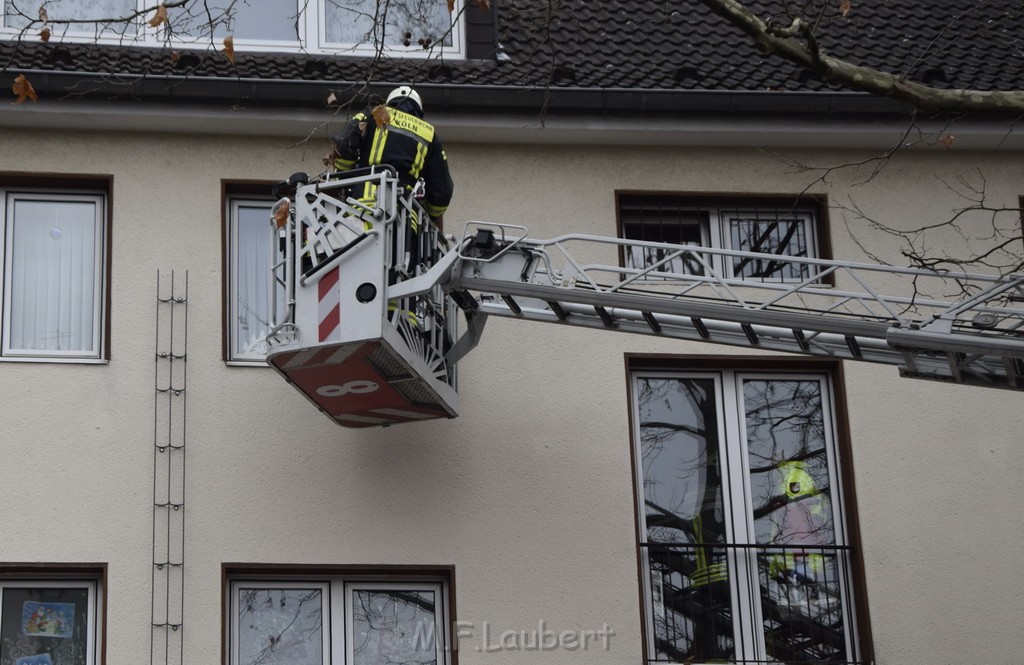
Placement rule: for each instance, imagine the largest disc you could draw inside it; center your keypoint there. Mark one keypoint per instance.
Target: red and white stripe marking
(329, 305)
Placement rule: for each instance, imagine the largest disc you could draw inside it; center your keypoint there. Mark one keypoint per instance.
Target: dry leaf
(451, 6)
(229, 49)
(23, 89)
(382, 116)
(281, 214)
(332, 99)
(484, 4)
(844, 7)
(44, 34)
(42, 14)
(159, 18)
(175, 57)
(947, 141)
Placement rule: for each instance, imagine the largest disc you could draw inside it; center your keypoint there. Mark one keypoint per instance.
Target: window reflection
(422, 23)
(393, 626)
(685, 518)
(278, 626)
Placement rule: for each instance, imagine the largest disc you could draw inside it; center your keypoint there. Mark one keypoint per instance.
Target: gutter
(450, 96)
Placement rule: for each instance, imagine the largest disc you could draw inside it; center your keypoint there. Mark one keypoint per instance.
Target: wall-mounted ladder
(169, 419)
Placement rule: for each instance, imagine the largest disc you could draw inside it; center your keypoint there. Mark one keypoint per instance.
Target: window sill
(58, 361)
(247, 363)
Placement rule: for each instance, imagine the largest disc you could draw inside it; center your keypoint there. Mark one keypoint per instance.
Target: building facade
(602, 498)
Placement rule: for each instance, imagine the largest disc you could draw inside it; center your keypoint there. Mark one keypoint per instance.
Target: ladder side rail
(872, 267)
(894, 307)
(774, 338)
(663, 304)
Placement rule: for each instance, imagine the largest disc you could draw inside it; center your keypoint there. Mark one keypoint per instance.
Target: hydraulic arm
(398, 283)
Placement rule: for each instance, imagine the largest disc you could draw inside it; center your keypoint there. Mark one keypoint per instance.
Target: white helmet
(404, 92)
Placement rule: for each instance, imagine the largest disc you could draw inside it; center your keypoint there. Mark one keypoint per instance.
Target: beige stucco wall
(528, 493)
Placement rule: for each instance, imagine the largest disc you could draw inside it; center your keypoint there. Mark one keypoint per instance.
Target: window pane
(768, 234)
(255, 251)
(393, 626)
(18, 13)
(53, 289)
(792, 509)
(278, 626)
(244, 19)
(398, 22)
(44, 625)
(667, 224)
(684, 513)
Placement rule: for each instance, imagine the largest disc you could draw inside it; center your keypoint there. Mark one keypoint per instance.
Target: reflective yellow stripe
(410, 316)
(417, 163)
(344, 164)
(433, 210)
(380, 137)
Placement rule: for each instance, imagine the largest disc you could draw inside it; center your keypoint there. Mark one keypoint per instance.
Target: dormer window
(402, 28)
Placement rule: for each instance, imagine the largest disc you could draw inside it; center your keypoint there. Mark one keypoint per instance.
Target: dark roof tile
(625, 44)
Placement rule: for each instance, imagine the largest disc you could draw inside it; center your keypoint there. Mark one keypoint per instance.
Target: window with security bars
(341, 620)
(776, 227)
(742, 534)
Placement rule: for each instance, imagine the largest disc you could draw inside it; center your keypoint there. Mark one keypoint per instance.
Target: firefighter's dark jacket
(408, 143)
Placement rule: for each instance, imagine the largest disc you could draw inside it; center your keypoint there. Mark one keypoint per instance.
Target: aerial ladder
(374, 292)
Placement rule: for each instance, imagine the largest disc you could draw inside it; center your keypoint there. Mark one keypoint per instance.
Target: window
(351, 619)
(250, 252)
(775, 226)
(400, 27)
(54, 291)
(742, 537)
(49, 620)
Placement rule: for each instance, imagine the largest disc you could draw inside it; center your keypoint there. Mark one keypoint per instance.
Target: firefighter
(406, 142)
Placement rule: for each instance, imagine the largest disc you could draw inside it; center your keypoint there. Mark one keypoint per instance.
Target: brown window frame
(834, 369)
(93, 573)
(321, 573)
(103, 185)
(813, 204)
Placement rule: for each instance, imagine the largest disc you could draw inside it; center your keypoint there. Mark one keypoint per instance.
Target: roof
(585, 55)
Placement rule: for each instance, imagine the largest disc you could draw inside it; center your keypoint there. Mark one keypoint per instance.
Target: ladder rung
(801, 339)
(748, 330)
(512, 305)
(609, 322)
(701, 328)
(953, 360)
(652, 322)
(1012, 375)
(557, 308)
(854, 346)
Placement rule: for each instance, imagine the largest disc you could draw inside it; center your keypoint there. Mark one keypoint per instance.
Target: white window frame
(715, 233)
(337, 623)
(233, 204)
(311, 36)
(93, 631)
(96, 354)
(258, 583)
(737, 501)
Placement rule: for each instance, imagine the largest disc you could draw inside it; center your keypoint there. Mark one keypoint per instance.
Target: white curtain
(254, 252)
(54, 281)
